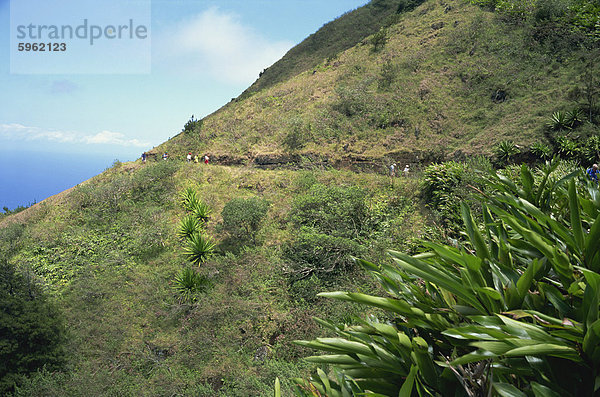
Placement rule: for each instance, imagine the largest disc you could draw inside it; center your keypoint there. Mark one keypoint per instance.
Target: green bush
(31, 328)
(541, 151)
(323, 255)
(192, 126)
(339, 211)
(243, 218)
(568, 148)
(513, 312)
(379, 39)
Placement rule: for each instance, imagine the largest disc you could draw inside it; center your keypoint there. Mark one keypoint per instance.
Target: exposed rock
(499, 96)
(261, 354)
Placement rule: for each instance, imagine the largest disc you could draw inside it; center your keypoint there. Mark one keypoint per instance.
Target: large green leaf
(508, 390)
(575, 215)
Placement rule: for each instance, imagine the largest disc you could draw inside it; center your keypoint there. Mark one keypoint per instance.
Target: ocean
(27, 177)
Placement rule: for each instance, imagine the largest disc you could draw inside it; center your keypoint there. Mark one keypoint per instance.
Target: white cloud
(219, 44)
(19, 132)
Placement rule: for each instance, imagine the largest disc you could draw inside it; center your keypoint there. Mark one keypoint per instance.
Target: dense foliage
(242, 218)
(32, 330)
(514, 310)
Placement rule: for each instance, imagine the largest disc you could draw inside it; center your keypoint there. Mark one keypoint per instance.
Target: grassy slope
(108, 251)
(334, 37)
(446, 59)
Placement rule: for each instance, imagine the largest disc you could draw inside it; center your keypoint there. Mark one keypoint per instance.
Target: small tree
(379, 40)
(242, 218)
(192, 126)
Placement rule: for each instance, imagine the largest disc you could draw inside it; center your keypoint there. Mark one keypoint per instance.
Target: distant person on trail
(392, 173)
(406, 171)
(165, 156)
(592, 173)
(196, 159)
(206, 158)
(189, 157)
(144, 156)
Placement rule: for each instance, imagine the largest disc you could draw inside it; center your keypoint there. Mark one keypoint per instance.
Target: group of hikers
(394, 167)
(189, 158)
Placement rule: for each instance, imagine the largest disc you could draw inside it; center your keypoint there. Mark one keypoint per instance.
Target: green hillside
(451, 78)
(108, 253)
(134, 300)
(334, 37)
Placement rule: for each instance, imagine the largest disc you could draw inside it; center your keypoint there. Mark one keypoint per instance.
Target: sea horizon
(29, 177)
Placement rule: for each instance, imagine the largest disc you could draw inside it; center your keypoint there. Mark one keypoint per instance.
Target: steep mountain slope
(334, 37)
(451, 78)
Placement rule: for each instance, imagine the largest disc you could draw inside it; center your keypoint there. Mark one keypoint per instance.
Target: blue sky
(204, 52)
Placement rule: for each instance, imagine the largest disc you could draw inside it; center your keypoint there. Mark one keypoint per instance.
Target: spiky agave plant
(559, 121)
(188, 284)
(189, 199)
(188, 226)
(201, 211)
(199, 248)
(505, 151)
(574, 117)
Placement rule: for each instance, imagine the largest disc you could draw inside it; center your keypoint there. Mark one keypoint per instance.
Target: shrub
(242, 218)
(388, 74)
(192, 126)
(294, 140)
(31, 326)
(337, 210)
(567, 148)
(313, 253)
(441, 189)
(509, 313)
(353, 100)
(379, 39)
(591, 149)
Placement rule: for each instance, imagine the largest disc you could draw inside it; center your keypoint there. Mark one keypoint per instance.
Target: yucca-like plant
(541, 150)
(515, 311)
(201, 211)
(198, 248)
(189, 199)
(559, 121)
(505, 151)
(188, 284)
(188, 226)
(574, 117)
